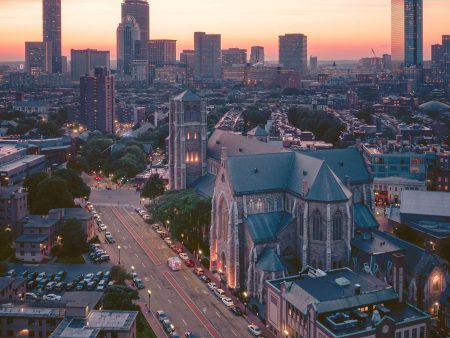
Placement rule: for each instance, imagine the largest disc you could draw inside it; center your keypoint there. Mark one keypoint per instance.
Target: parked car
(254, 330)
(174, 334)
(11, 273)
(41, 276)
(199, 271)
(102, 227)
(161, 315)
(91, 286)
(106, 276)
(104, 258)
(236, 310)
(183, 256)
(70, 286)
(139, 284)
(31, 296)
(24, 274)
(205, 279)
(33, 275)
(101, 285)
(81, 285)
(219, 293)
(60, 286)
(212, 286)
(227, 301)
(189, 334)
(167, 325)
(60, 276)
(31, 284)
(50, 286)
(189, 263)
(42, 283)
(89, 277)
(51, 296)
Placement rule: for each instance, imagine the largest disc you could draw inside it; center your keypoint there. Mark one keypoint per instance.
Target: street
(186, 300)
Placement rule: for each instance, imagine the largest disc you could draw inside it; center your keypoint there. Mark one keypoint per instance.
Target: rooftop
(112, 320)
(429, 203)
(23, 311)
(31, 238)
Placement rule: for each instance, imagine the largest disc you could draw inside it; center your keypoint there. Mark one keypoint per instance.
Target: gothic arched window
(223, 219)
(337, 226)
(317, 226)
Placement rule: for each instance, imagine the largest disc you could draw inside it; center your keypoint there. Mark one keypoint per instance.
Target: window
(337, 226)
(398, 335)
(406, 334)
(317, 226)
(414, 333)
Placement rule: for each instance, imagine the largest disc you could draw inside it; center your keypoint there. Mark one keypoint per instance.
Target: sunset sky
(336, 29)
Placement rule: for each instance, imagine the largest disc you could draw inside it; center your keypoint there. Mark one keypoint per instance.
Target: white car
(184, 256)
(89, 277)
(134, 276)
(102, 227)
(254, 330)
(51, 296)
(227, 301)
(212, 286)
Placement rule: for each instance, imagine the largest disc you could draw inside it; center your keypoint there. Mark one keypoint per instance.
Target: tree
(6, 240)
(119, 274)
(78, 163)
(76, 185)
(291, 91)
(154, 187)
(365, 115)
(31, 185)
(119, 298)
(3, 268)
(52, 193)
(253, 117)
(73, 239)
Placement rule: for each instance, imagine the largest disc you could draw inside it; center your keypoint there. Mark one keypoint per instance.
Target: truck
(174, 263)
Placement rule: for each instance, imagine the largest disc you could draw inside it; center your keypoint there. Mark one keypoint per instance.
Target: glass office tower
(407, 33)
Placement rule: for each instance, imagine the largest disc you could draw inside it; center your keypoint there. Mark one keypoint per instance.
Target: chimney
(305, 188)
(398, 274)
(357, 289)
(347, 181)
(283, 287)
(224, 156)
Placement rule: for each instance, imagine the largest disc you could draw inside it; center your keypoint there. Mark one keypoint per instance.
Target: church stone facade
(273, 210)
(187, 140)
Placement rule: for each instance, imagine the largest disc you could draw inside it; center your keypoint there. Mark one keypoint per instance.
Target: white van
(101, 285)
(219, 293)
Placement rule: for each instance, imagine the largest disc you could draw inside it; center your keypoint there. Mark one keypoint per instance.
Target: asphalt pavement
(186, 300)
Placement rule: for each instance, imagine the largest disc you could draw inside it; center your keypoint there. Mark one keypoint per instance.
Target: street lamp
(245, 302)
(182, 241)
(118, 247)
(149, 292)
(132, 271)
(286, 333)
(199, 254)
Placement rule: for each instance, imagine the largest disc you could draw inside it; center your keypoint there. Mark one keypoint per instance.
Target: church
(273, 210)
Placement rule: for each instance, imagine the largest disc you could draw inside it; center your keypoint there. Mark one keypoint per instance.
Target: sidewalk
(247, 314)
(152, 321)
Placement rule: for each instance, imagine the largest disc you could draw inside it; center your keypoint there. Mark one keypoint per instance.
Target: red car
(190, 263)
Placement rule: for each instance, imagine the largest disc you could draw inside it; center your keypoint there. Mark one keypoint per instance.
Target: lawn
(143, 328)
(71, 260)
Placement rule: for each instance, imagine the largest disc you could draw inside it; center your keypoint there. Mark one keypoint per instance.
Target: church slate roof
(258, 131)
(286, 171)
(364, 219)
(269, 261)
(265, 227)
(187, 96)
(205, 185)
(237, 145)
(344, 162)
(327, 187)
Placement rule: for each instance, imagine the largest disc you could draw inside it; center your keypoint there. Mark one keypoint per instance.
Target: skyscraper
(234, 56)
(140, 10)
(97, 105)
(128, 44)
(257, 55)
(208, 60)
(313, 64)
(293, 52)
(446, 57)
(52, 31)
(188, 58)
(406, 33)
(162, 52)
(85, 60)
(38, 58)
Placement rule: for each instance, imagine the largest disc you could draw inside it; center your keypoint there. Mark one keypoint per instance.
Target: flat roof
(24, 311)
(374, 244)
(428, 203)
(112, 320)
(31, 238)
(25, 160)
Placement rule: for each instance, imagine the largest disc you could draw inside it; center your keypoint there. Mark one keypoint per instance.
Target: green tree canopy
(6, 240)
(119, 274)
(52, 193)
(254, 116)
(73, 239)
(76, 185)
(154, 187)
(31, 184)
(78, 163)
(119, 298)
(365, 115)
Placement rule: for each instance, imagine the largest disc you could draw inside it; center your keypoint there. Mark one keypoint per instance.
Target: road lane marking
(136, 255)
(217, 313)
(143, 264)
(185, 277)
(151, 276)
(234, 332)
(170, 302)
(184, 322)
(159, 286)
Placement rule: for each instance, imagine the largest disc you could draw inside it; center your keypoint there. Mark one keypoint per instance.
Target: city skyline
(23, 21)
